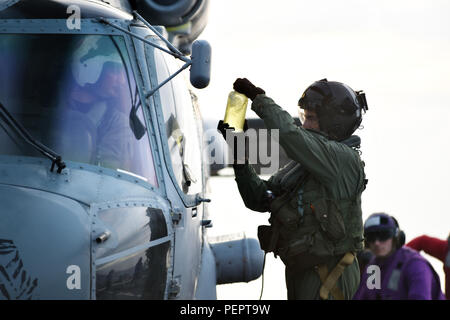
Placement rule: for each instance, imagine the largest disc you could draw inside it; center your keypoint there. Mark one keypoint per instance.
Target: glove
(242, 158)
(222, 127)
(247, 88)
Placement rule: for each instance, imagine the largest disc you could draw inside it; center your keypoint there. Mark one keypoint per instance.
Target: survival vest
(308, 226)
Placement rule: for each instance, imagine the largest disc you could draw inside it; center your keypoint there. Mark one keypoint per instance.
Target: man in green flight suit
(315, 200)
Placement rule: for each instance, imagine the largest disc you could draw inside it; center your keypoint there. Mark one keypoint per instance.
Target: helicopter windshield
(77, 95)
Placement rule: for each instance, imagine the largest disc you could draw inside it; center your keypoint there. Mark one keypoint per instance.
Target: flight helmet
(338, 107)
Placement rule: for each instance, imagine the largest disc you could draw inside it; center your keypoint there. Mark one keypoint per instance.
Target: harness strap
(329, 280)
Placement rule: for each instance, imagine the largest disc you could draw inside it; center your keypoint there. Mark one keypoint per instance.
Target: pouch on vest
(265, 237)
(284, 211)
(296, 256)
(329, 217)
(284, 216)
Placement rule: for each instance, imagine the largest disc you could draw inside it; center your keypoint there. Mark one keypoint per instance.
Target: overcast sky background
(398, 52)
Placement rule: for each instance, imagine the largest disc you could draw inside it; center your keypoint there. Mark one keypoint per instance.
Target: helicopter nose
(44, 246)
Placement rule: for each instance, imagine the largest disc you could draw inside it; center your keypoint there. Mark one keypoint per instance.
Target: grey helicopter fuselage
(125, 216)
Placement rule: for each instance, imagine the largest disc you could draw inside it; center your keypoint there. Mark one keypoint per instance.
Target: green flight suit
(335, 174)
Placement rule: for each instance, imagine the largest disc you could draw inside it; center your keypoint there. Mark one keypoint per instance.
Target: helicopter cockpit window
(181, 126)
(77, 95)
(174, 134)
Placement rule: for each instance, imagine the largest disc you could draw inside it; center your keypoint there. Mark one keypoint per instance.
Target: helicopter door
(133, 250)
(183, 140)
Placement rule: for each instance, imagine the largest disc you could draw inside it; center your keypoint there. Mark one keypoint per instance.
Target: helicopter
(103, 175)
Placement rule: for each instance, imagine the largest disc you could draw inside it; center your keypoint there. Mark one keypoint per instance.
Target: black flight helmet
(338, 107)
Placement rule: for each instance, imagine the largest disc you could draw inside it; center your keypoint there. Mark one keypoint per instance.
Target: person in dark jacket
(396, 272)
(315, 200)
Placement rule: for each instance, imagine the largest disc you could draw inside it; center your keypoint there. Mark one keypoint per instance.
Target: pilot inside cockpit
(103, 95)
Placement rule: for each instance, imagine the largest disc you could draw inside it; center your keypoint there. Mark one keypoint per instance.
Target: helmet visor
(311, 99)
(381, 235)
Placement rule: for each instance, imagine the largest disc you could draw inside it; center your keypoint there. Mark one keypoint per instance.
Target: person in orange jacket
(438, 248)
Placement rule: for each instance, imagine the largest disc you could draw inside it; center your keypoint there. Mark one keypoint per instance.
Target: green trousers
(306, 285)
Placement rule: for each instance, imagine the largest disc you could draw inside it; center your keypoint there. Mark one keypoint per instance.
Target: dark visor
(381, 235)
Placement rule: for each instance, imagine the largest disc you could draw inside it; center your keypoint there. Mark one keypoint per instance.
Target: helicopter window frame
(138, 78)
(192, 153)
(94, 27)
(152, 42)
(189, 200)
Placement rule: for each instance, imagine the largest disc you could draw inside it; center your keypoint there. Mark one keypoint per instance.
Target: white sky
(398, 52)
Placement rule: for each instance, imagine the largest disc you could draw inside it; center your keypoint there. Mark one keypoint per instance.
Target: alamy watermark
(73, 22)
(374, 278)
(74, 279)
(251, 145)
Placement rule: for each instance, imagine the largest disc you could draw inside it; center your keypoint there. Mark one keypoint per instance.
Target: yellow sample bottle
(236, 110)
